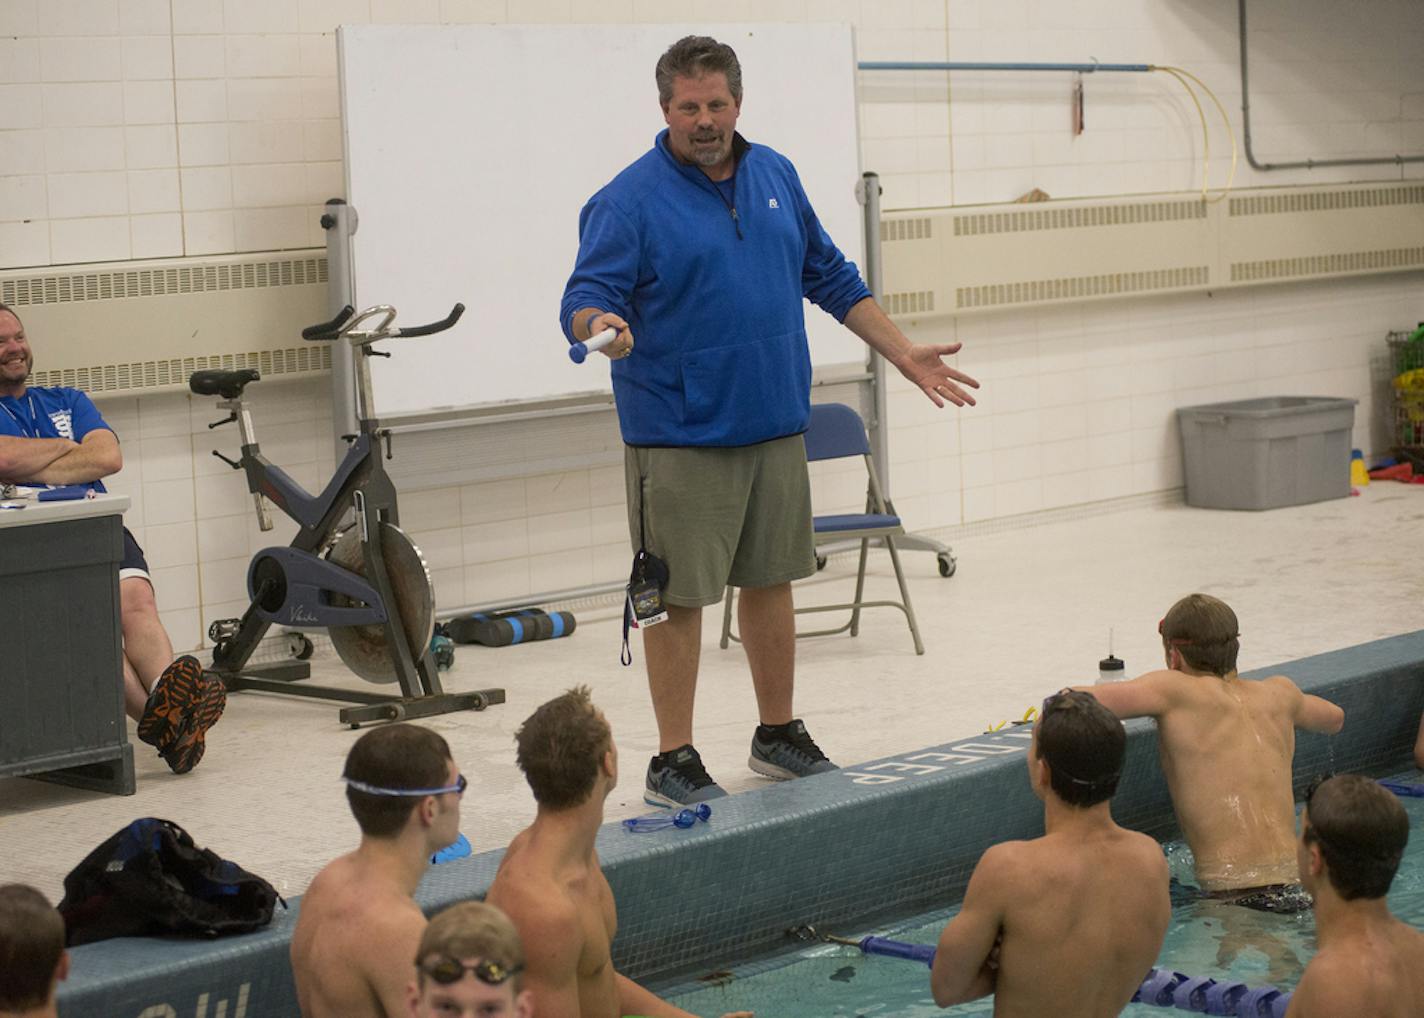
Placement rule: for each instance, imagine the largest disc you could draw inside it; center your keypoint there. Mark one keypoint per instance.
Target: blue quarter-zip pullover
(712, 288)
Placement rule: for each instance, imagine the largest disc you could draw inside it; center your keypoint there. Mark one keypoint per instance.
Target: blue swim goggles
(683, 818)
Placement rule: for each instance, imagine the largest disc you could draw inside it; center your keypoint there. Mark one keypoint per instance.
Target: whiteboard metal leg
(868, 192)
(339, 221)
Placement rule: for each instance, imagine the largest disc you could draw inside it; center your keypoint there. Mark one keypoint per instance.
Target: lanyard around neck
(26, 427)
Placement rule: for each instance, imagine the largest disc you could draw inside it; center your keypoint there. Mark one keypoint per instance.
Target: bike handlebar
(440, 326)
(331, 329)
(345, 323)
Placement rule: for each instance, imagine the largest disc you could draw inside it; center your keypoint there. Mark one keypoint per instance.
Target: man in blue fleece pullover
(704, 250)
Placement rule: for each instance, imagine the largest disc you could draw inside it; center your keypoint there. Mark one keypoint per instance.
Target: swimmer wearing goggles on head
(1226, 746)
(468, 964)
(355, 944)
(1087, 897)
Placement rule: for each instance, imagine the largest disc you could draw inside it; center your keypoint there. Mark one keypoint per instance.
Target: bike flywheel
(365, 649)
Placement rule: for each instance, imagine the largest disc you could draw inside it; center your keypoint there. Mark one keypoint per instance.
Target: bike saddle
(228, 384)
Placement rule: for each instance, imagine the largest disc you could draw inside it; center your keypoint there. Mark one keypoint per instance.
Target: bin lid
(1270, 406)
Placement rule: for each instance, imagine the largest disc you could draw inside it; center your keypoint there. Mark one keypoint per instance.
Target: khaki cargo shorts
(719, 517)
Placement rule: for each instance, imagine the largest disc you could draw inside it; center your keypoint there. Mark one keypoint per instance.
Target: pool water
(1204, 938)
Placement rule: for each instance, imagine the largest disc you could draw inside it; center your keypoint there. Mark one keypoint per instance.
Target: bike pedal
(223, 629)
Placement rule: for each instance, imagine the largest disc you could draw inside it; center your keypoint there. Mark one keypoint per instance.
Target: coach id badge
(645, 589)
(644, 603)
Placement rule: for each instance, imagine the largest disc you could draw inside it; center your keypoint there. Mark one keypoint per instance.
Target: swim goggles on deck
(683, 818)
(445, 970)
(414, 793)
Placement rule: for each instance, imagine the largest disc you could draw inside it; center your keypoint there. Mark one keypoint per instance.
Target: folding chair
(837, 432)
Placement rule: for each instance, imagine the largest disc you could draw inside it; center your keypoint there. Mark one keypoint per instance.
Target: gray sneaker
(677, 778)
(793, 754)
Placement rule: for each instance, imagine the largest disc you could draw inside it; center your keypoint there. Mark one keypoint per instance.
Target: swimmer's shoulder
(1148, 854)
(1015, 865)
(550, 923)
(1007, 874)
(1331, 983)
(326, 887)
(529, 895)
(1280, 689)
(1165, 681)
(1411, 946)
(1282, 682)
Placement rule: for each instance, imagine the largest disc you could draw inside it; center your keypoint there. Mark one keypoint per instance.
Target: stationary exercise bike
(350, 570)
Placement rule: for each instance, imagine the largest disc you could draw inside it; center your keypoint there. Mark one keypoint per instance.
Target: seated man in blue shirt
(56, 436)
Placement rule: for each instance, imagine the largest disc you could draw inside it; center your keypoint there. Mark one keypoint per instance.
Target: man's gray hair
(693, 56)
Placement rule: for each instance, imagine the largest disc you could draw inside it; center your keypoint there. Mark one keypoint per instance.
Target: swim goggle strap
(407, 793)
(446, 970)
(1182, 641)
(1067, 699)
(683, 818)
(1106, 781)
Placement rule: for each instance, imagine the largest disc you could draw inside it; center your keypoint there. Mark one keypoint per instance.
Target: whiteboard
(470, 150)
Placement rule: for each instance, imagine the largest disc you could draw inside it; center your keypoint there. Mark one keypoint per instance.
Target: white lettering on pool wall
(219, 1008)
(921, 764)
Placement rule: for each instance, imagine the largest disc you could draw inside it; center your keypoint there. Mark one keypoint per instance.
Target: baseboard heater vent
(160, 374)
(1077, 217)
(957, 260)
(1080, 287)
(1328, 265)
(1324, 201)
(120, 283)
(918, 228)
(132, 327)
(920, 302)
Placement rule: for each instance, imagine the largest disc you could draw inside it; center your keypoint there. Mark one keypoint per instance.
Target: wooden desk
(61, 670)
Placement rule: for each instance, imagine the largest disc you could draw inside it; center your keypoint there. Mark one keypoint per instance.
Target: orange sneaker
(184, 704)
(189, 742)
(171, 701)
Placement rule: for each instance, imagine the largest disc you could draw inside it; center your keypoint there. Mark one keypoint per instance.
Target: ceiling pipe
(1307, 164)
(961, 65)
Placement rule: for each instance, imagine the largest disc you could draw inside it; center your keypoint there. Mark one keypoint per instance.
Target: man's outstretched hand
(922, 365)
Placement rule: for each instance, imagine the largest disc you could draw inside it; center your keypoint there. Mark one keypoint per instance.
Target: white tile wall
(1327, 84)
(159, 128)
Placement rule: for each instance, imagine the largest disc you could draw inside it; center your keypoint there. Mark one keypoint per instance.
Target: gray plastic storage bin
(1264, 453)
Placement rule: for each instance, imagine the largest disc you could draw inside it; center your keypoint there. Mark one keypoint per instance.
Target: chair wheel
(300, 646)
(820, 562)
(947, 564)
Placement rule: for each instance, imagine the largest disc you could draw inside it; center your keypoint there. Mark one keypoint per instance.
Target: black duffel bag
(150, 879)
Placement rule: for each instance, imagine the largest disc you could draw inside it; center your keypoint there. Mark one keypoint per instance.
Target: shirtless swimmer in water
(1226, 746)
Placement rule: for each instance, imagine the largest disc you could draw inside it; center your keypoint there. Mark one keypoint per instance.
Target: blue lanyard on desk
(25, 427)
